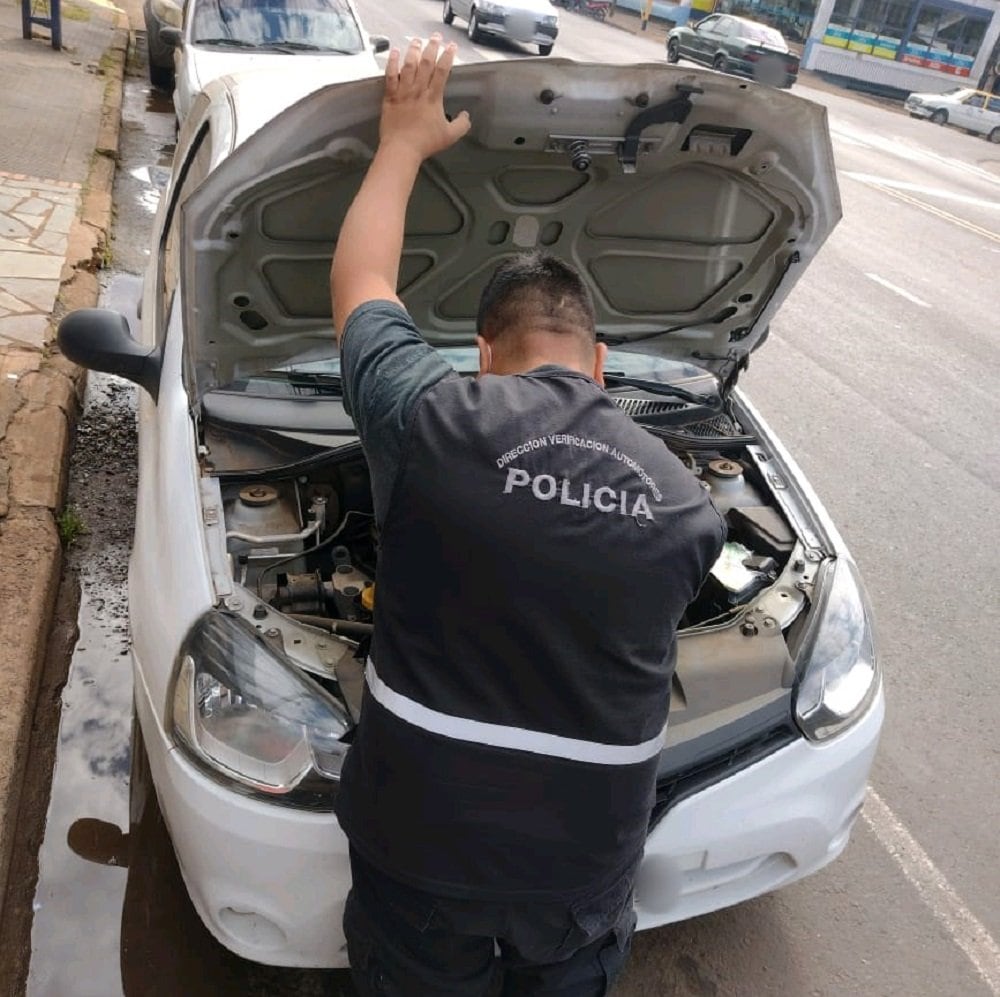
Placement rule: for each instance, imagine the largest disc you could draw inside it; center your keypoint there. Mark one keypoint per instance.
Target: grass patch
(70, 525)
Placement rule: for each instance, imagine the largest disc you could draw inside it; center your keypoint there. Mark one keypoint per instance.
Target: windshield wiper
(289, 46)
(321, 384)
(617, 379)
(232, 42)
(302, 381)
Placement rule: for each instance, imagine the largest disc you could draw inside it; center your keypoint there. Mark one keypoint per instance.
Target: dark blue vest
(537, 554)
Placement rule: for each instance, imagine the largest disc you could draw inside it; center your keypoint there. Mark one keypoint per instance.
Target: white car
(693, 203)
(975, 110)
(220, 37)
(531, 22)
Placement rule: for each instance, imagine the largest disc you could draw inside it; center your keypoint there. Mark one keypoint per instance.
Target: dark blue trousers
(404, 942)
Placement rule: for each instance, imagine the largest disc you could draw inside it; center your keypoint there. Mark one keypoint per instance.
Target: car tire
(475, 35)
(673, 50)
(939, 117)
(994, 136)
(720, 64)
(160, 76)
(447, 15)
(544, 49)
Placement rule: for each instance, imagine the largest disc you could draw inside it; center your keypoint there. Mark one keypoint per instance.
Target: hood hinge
(674, 110)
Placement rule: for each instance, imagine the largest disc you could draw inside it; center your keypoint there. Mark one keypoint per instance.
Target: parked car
(735, 45)
(250, 581)
(232, 36)
(159, 14)
(975, 110)
(531, 22)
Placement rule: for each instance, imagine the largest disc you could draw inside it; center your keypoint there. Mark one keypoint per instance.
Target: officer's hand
(413, 108)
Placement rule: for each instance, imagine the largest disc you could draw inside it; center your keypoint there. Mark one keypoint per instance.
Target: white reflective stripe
(499, 736)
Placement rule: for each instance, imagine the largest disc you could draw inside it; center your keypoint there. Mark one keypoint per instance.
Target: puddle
(112, 917)
(158, 102)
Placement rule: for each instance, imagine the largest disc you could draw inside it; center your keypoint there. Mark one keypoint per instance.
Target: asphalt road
(878, 377)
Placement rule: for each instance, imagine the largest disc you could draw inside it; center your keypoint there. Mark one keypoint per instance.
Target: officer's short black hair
(536, 290)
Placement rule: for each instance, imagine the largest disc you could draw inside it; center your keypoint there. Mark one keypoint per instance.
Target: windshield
(305, 376)
(317, 25)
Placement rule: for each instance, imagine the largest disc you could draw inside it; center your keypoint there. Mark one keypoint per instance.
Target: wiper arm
(231, 42)
(617, 379)
(289, 46)
(321, 384)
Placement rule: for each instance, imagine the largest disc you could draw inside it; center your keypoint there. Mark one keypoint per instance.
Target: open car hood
(692, 202)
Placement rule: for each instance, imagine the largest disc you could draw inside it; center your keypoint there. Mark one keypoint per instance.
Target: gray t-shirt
(386, 366)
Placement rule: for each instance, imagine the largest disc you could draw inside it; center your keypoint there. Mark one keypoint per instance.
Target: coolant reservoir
(728, 487)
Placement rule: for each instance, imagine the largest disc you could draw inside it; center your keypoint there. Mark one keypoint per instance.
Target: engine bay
(305, 544)
(301, 548)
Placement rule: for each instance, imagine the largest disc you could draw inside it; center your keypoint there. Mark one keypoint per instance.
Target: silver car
(532, 22)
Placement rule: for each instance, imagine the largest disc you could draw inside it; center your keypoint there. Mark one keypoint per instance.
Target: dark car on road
(738, 46)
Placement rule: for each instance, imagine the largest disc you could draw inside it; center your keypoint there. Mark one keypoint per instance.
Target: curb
(35, 457)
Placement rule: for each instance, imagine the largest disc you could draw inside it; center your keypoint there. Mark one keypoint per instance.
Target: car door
(993, 118)
(959, 112)
(702, 40)
(729, 39)
(975, 112)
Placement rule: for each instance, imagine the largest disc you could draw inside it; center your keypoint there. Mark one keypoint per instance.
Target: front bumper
(779, 820)
(270, 883)
(918, 110)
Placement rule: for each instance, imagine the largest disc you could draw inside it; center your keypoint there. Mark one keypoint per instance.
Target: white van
(974, 110)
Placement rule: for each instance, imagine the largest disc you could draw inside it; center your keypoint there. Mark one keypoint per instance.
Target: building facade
(895, 45)
(906, 45)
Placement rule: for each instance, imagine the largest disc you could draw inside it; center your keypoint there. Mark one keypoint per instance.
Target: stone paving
(35, 220)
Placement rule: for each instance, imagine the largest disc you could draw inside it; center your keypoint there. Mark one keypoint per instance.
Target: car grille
(676, 786)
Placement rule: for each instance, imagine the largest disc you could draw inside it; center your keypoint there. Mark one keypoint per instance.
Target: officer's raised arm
(413, 127)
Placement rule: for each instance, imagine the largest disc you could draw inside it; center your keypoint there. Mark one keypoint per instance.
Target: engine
(307, 545)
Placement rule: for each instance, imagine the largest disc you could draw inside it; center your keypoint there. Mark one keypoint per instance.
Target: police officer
(537, 552)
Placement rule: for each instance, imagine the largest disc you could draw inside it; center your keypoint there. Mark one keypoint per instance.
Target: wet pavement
(81, 881)
(111, 914)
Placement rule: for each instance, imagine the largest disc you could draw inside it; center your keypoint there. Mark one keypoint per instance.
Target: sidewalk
(59, 115)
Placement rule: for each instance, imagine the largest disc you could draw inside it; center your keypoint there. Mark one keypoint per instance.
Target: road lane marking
(968, 933)
(916, 188)
(897, 290)
(488, 54)
(931, 209)
(901, 149)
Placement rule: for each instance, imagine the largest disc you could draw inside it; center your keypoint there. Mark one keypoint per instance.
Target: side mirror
(99, 339)
(380, 43)
(168, 12)
(171, 36)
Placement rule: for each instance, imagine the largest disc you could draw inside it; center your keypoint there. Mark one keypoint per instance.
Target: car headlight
(250, 719)
(841, 673)
(550, 20)
(486, 7)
